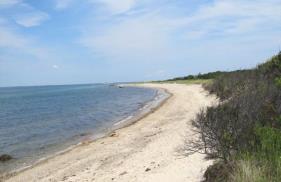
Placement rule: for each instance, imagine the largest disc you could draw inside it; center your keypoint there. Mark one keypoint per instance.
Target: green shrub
(269, 149)
(206, 76)
(278, 82)
(245, 128)
(218, 172)
(270, 141)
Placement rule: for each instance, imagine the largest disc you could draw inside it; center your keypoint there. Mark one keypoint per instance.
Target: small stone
(147, 169)
(5, 158)
(83, 134)
(64, 178)
(125, 172)
(113, 134)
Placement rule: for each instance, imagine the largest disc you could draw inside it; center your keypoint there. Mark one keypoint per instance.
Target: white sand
(150, 144)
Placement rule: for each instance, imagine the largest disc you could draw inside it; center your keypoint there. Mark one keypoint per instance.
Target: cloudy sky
(88, 41)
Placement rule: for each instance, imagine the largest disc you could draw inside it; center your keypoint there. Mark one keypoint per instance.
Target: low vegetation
(192, 81)
(243, 132)
(206, 78)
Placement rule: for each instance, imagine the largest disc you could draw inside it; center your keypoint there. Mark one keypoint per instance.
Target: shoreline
(152, 106)
(145, 150)
(149, 107)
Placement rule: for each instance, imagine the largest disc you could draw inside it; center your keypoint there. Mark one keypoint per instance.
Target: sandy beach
(146, 151)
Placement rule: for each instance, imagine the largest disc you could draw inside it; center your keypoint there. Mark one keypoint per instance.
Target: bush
(218, 172)
(246, 125)
(206, 76)
(264, 164)
(269, 148)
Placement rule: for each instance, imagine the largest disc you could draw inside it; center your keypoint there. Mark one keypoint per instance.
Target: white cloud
(55, 66)
(63, 4)
(24, 14)
(8, 3)
(31, 19)
(225, 16)
(157, 34)
(10, 39)
(115, 6)
(135, 39)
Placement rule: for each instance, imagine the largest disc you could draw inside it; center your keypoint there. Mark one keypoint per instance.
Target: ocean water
(38, 121)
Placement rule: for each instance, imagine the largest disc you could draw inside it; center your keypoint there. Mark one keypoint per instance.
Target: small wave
(124, 120)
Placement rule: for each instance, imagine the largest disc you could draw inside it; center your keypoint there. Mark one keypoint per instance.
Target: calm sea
(38, 121)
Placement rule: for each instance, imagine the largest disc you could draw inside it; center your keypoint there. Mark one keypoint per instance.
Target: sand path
(146, 151)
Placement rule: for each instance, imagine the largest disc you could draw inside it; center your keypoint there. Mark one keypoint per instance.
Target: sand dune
(147, 151)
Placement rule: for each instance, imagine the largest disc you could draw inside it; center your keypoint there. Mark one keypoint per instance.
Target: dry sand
(147, 151)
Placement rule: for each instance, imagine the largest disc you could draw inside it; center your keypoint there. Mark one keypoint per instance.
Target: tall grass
(264, 164)
(249, 171)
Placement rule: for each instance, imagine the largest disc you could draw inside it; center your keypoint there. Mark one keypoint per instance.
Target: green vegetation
(243, 132)
(206, 76)
(192, 81)
(264, 164)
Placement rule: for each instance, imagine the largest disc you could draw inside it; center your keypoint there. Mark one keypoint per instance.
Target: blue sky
(73, 41)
